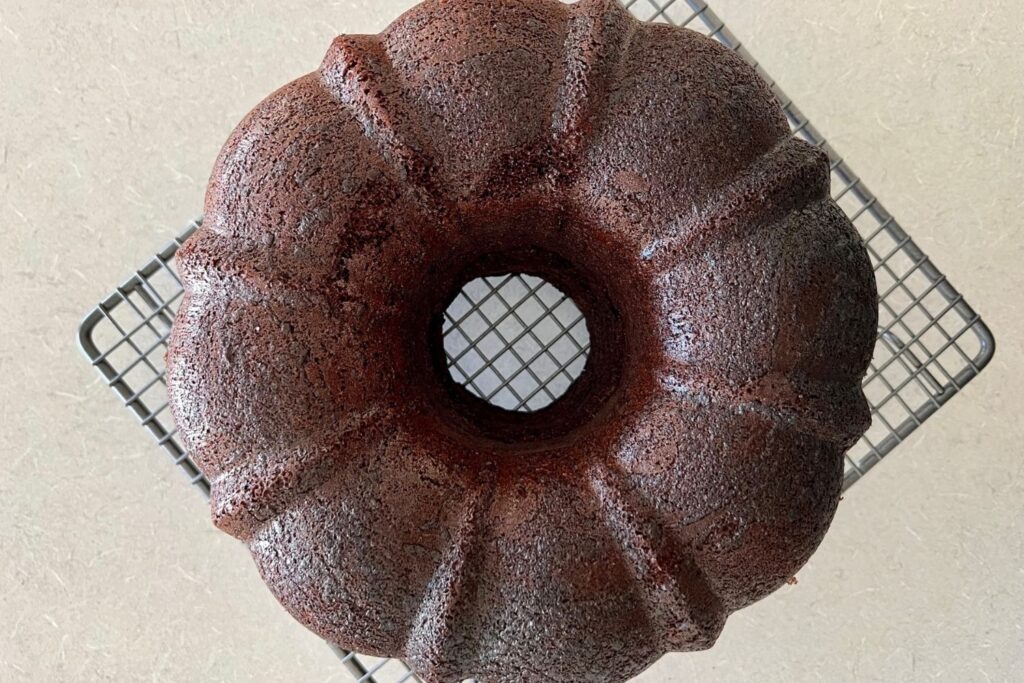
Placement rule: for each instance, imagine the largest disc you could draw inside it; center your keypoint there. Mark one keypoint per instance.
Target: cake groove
(818, 408)
(598, 38)
(357, 72)
(240, 508)
(434, 624)
(786, 179)
(684, 610)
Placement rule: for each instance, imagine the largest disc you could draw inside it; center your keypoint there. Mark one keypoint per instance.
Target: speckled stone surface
(648, 173)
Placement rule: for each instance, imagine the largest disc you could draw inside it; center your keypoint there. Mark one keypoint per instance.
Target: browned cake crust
(645, 171)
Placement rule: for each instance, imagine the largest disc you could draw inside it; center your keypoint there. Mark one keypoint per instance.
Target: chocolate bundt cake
(649, 174)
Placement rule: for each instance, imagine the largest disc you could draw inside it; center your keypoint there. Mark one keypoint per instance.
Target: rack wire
(519, 342)
(515, 341)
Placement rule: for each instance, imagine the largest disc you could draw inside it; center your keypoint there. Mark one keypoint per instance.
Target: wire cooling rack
(519, 342)
(515, 340)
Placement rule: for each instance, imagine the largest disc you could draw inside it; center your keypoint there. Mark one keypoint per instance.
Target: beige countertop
(110, 116)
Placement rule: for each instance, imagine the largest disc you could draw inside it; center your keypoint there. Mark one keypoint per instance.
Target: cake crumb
(630, 181)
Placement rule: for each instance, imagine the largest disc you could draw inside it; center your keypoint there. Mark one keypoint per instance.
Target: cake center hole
(515, 340)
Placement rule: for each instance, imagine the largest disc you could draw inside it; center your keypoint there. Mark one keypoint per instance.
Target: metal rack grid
(515, 341)
(930, 341)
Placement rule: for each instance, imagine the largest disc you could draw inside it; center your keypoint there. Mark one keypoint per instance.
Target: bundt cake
(649, 174)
